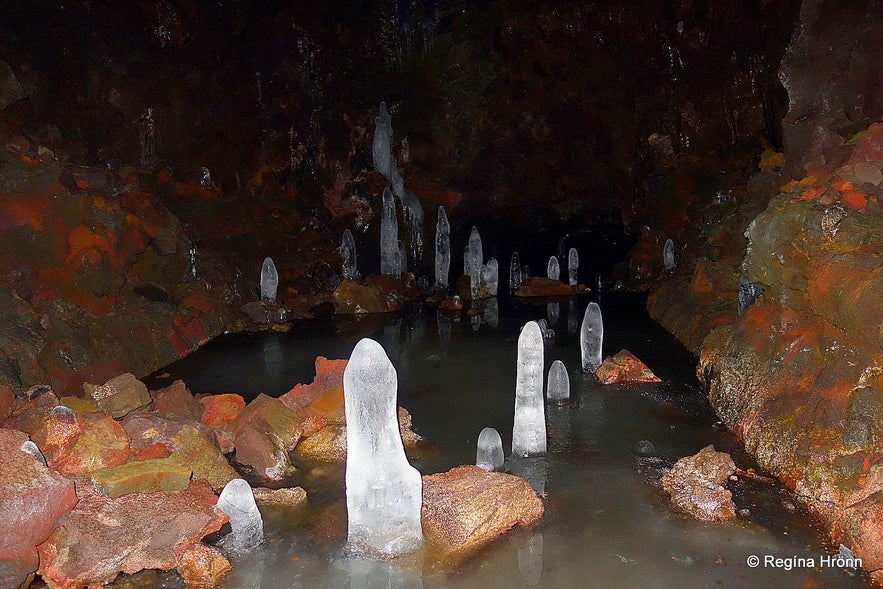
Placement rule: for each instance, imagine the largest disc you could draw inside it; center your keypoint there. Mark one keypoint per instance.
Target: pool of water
(607, 522)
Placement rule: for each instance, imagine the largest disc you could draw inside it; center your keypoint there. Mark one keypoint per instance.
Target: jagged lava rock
(264, 433)
(329, 376)
(467, 508)
(539, 286)
(30, 410)
(624, 367)
(82, 443)
(144, 476)
(176, 398)
(32, 498)
(220, 409)
(203, 567)
(695, 484)
(102, 537)
(120, 395)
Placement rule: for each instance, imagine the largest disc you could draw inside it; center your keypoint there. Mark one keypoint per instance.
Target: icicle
(489, 450)
(472, 260)
(668, 255)
(558, 388)
(269, 280)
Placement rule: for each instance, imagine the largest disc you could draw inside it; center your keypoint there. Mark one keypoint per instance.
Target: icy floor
(606, 522)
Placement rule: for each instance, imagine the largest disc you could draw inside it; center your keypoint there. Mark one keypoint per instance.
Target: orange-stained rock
(452, 304)
(144, 476)
(326, 445)
(202, 566)
(329, 375)
(853, 200)
(119, 396)
(467, 508)
(7, 402)
(539, 286)
(264, 433)
(285, 497)
(176, 398)
(624, 367)
(76, 444)
(31, 409)
(218, 410)
(32, 498)
(403, 289)
(157, 450)
(102, 537)
(695, 484)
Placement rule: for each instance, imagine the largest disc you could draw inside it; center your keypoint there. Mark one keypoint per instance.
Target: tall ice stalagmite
(529, 430)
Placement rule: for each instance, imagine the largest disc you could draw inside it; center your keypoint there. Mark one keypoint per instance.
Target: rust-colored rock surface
(176, 398)
(86, 443)
(142, 476)
(119, 396)
(102, 537)
(329, 376)
(467, 508)
(32, 498)
(285, 497)
(353, 298)
(539, 286)
(624, 367)
(203, 567)
(218, 410)
(264, 433)
(695, 484)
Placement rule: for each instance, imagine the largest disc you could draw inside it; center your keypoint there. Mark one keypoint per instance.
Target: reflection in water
(573, 318)
(380, 574)
(444, 331)
(491, 313)
(530, 559)
(533, 469)
(552, 312)
(271, 352)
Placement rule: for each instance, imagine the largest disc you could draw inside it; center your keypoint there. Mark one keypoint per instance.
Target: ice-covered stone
(349, 270)
(514, 271)
(558, 387)
(572, 266)
(591, 337)
(389, 236)
(489, 451)
(269, 280)
(442, 248)
(237, 501)
(553, 270)
(383, 491)
(668, 255)
(529, 430)
(381, 145)
(472, 260)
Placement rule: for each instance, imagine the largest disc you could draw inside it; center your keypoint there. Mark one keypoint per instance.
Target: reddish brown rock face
(32, 498)
(624, 367)
(695, 484)
(544, 287)
(218, 410)
(329, 377)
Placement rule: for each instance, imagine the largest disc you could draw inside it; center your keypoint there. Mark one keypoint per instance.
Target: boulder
(31, 409)
(353, 298)
(539, 286)
(145, 476)
(73, 443)
(285, 497)
(264, 433)
(203, 567)
(624, 367)
(176, 398)
(326, 445)
(218, 410)
(120, 395)
(32, 498)
(467, 508)
(102, 537)
(695, 484)
(329, 376)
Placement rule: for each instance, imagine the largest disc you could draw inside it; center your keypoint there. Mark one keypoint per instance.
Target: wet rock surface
(695, 484)
(624, 367)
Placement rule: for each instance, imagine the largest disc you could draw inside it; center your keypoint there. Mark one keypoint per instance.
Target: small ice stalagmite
(348, 253)
(489, 451)
(237, 501)
(442, 249)
(553, 269)
(472, 260)
(269, 280)
(381, 145)
(515, 272)
(591, 337)
(389, 235)
(668, 255)
(529, 430)
(383, 491)
(558, 387)
(572, 266)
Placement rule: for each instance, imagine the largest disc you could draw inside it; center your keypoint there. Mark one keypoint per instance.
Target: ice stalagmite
(442, 249)
(389, 235)
(383, 491)
(237, 501)
(514, 271)
(591, 337)
(472, 260)
(489, 451)
(269, 280)
(668, 255)
(558, 387)
(553, 270)
(381, 145)
(348, 253)
(529, 431)
(572, 266)
(490, 277)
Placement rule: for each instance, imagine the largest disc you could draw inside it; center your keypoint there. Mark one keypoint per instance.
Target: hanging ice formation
(383, 491)
(490, 277)
(269, 280)
(472, 259)
(558, 387)
(349, 270)
(591, 337)
(389, 235)
(237, 501)
(553, 270)
(442, 249)
(668, 255)
(514, 271)
(489, 450)
(529, 430)
(572, 266)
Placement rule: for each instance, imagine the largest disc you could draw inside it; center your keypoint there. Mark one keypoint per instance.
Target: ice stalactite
(473, 257)
(572, 266)
(553, 269)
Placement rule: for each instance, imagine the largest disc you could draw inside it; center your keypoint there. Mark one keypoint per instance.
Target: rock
(410, 439)
(695, 484)
(624, 367)
(203, 567)
(76, 444)
(79, 405)
(7, 402)
(192, 445)
(466, 508)
(146, 476)
(32, 498)
(120, 395)
(259, 312)
(102, 537)
(452, 305)
(539, 286)
(404, 288)
(326, 445)
(352, 298)
(329, 376)
(325, 410)
(264, 433)
(285, 497)
(31, 409)
(218, 410)
(176, 398)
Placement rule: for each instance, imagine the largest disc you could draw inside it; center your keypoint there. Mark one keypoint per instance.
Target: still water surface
(607, 523)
